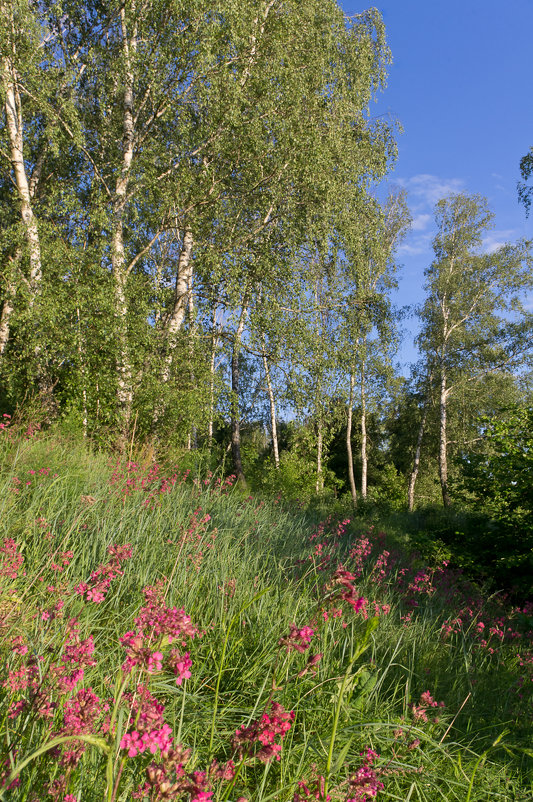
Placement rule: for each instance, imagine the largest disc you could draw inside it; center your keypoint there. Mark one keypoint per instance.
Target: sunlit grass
(251, 576)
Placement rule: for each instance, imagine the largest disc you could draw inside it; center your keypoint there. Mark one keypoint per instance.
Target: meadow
(166, 636)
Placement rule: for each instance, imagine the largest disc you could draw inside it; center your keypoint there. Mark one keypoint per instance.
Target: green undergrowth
(380, 676)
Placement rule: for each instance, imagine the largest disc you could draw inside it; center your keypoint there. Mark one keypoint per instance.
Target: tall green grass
(245, 571)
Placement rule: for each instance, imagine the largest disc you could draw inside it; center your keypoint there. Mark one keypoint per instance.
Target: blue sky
(460, 85)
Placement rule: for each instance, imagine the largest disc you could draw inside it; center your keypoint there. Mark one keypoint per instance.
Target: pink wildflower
(297, 639)
(365, 782)
(180, 665)
(264, 731)
(10, 559)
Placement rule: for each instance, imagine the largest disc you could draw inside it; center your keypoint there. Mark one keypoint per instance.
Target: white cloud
(424, 190)
(412, 249)
(416, 244)
(496, 239)
(431, 188)
(420, 222)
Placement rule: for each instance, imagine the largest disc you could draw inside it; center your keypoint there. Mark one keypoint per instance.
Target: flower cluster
(348, 592)
(359, 554)
(264, 732)
(147, 730)
(150, 482)
(156, 627)
(10, 559)
(314, 789)
(364, 784)
(169, 779)
(420, 711)
(297, 640)
(96, 588)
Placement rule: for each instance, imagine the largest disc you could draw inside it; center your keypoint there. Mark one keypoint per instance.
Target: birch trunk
(273, 421)
(81, 357)
(193, 439)
(8, 306)
(5, 316)
(214, 342)
(443, 443)
(235, 412)
(319, 448)
(182, 299)
(118, 258)
(349, 440)
(364, 455)
(416, 463)
(123, 363)
(13, 112)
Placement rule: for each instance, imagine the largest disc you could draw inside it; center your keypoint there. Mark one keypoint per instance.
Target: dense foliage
(198, 254)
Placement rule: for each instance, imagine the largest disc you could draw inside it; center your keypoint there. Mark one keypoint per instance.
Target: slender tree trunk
(158, 284)
(318, 399)
(193, 438)
(364, 455)
(8, 306)
(443, 442)
(214, 342)
(319, 449)
(118, 258)
(416, 463)
(5, 316)
(13, 111)
(83, 374)
(25, 190)
(235, 392)
(123, 363)
(182, 299)
(351, 477)
(273, 422)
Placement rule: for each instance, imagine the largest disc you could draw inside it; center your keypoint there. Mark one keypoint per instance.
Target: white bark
(182, 299)
(416, 463)
(258, 31)
(364, 455)
(118, 259)
(235, 388)
(319, 448)
(349, 440)
(14, 126)
(5, 316)
(443, 442)
(123, 363)
(8, 305)
(214, 343)
(83, 373)
(192, 336)
(273, 421)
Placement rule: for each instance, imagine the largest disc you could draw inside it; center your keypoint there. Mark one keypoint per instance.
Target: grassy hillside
(164, 636)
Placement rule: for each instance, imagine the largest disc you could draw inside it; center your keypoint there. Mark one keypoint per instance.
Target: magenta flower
(271, 725)
(10, 559)
(180, 665)
(364, 784)
(297, 639)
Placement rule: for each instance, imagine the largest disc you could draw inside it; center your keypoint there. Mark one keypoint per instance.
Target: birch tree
(473, 320)
(20, 42)
(203, 129)
(368, 320)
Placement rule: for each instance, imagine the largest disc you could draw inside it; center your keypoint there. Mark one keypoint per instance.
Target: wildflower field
(164, 636)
